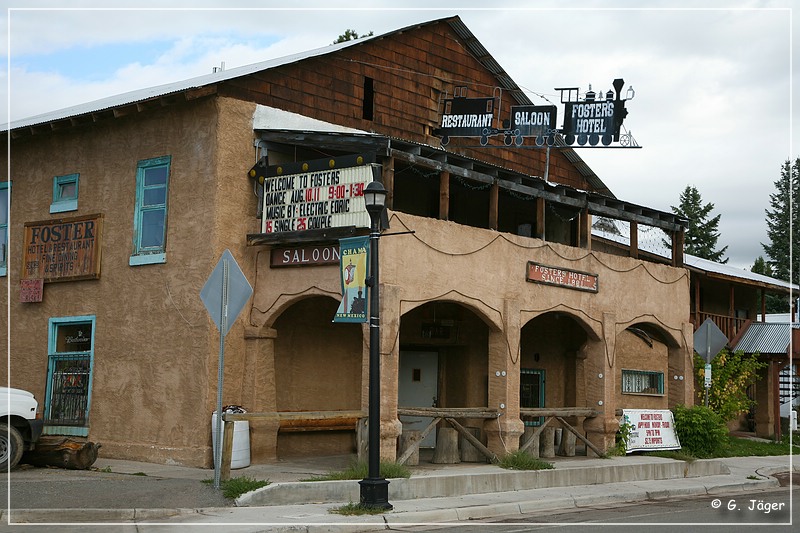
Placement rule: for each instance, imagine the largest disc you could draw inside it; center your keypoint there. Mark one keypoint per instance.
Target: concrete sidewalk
(435, 494)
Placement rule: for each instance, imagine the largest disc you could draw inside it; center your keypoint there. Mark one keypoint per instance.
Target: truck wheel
(11, 447)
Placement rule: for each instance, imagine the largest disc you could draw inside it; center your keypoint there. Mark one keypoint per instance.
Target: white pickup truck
(20, 426)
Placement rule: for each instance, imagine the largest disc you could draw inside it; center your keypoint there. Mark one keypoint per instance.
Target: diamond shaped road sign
(709, 340)
(226, 292)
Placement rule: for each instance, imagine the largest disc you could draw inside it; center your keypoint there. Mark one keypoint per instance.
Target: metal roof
(704, 265)
(171, 88)
(765, 338)
(473, 45)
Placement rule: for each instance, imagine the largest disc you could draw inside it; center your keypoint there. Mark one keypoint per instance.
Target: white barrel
(240, 454)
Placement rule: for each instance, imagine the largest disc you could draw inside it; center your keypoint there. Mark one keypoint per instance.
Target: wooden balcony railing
(731, 326)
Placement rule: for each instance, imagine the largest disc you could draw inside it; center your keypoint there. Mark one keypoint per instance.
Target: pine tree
(774, 303)
(701, 237)
(350, 35)
(781, 219)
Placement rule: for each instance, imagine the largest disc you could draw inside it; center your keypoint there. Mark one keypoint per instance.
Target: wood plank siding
(410, 73)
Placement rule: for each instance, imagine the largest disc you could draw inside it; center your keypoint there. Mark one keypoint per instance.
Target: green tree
(350, 35)
(731, 374)
(774, 303)
(701, 237)
(781, 218)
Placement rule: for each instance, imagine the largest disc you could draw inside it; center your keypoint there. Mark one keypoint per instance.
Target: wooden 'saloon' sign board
(64, 249)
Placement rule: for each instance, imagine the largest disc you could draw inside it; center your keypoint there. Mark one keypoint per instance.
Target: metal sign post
(224, 296)
(708, 341)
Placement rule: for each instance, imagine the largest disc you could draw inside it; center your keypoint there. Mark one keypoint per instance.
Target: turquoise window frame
(149, 203)
(540, 373)
(633, 382)
(53, 356)
(62, 202)
(6, 186)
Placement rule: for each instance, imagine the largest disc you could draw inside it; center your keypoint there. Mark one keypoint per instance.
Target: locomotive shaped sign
(596, 119)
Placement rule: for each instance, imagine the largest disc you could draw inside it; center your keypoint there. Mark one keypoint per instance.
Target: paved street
(737, 512)
(638, 490)
(56, 488)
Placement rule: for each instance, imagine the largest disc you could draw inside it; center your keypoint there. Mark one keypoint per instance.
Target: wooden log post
(362, 444)
(62, 452)
(412, 445)
(446, 451)
(227, 451)
(586, 441)
(530, 441)
(408, 439)
(534, 439)
(469, 453)
(478, 445)
(567, 447)
(548, 443)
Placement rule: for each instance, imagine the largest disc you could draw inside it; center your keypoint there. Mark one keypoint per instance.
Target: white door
(417, 387)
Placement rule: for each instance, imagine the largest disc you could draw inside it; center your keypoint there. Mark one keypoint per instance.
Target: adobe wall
(484, 271)
(155, 359)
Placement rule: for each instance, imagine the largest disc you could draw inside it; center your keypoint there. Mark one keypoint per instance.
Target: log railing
(449, 415)
(731, 326)
(559, 414)
(348, 420)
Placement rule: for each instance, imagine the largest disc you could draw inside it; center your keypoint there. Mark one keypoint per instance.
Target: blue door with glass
(69, 375)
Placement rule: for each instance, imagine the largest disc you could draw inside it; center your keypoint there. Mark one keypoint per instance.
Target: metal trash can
(240, 452)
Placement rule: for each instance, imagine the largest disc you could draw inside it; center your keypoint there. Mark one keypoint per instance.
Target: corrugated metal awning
(765, 338)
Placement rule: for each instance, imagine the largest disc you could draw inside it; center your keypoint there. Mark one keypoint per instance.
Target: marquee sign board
(318, 194)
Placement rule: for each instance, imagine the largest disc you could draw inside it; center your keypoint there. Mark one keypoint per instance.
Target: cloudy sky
(713, 78)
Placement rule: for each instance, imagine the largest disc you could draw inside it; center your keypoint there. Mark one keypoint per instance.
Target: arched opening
(642, 367)
(319, 371)
(549, 346)
(444, 350)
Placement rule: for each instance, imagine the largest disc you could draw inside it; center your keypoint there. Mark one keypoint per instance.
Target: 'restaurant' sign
(64, 249)
(467, 117)
(561, 277)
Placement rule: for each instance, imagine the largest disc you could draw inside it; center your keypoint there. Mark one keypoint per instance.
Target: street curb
(43, 516)
(441, 510)
(423, 487)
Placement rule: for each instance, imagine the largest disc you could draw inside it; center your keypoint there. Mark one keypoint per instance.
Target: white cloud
(712, 85)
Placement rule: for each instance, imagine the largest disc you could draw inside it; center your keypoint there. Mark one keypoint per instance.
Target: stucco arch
(592, 326)
(491, 316)
(301, 382)
(672, 337)
(265, 317)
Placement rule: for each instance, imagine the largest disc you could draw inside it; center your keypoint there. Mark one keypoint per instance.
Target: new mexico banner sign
(353, 261)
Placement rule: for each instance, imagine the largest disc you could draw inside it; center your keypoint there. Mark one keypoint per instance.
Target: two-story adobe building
(492, 294)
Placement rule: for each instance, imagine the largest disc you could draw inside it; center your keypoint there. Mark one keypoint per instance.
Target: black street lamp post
(374, 489)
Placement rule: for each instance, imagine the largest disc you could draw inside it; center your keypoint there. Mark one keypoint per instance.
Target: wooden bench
(288, 422)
